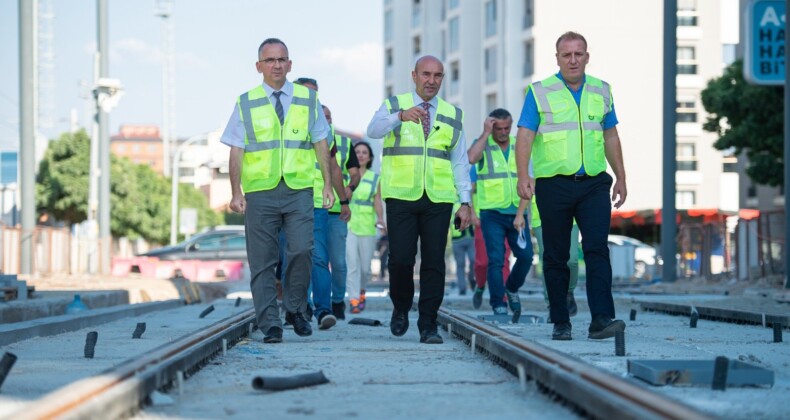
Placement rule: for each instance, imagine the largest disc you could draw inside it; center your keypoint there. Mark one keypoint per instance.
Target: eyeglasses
(303, 80)
(270, 61)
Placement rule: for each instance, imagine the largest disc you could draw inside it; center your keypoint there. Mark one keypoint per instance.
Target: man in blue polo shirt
(568, 129)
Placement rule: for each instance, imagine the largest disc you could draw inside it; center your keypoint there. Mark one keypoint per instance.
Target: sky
(338, 42)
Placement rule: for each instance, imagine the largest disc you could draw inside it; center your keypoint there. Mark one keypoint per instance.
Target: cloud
(364, 61)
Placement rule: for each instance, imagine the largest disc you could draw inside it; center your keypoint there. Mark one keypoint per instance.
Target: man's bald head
(427, 75)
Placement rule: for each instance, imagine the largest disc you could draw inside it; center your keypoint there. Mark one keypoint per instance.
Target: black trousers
(560, 199)
(406, 222)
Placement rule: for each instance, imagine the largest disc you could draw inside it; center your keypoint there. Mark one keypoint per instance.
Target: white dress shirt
(383, 122)
(234, 133)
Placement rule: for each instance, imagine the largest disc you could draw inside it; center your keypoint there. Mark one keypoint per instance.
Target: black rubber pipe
(693, 320)
(365, 321)
(138, 332)
(5, 366)
(777, 332)
(720, 368)
(633, 315)
(238, 301)
(90, 344)
(269, 383)
(207, 311)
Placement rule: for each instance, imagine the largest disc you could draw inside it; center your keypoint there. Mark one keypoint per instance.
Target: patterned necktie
(426, 122)
(278, 106)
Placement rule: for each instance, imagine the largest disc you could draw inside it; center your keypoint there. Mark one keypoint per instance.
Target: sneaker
(362, 300)
(339, 310)
(514, 301)
(273, 335)
(355, 306)
(573, 309)
(326, 321)
(562, 331)
(500, 310)
(477, 298)
(604, 327)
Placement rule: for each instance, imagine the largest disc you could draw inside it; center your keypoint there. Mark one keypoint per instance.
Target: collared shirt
(530, 116)
(235, 134)
(383, 122)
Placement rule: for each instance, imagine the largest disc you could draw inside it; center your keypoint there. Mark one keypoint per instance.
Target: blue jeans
(496, 227)
(337, 233)
(321, 280)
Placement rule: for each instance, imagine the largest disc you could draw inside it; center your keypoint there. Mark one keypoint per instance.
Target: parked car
(218, 243)
(646, 259)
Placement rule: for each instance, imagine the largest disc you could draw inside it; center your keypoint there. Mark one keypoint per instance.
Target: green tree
(747, 118)
(140, 198)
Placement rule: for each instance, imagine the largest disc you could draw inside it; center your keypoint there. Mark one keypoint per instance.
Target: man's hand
(329, 196)
(488, 125)
(381, 226)
(345, 213)
(414, 114)
(526, 188)
(465, 214)
(475, 220)
(619, 190)
(238, 204)
(519, 222)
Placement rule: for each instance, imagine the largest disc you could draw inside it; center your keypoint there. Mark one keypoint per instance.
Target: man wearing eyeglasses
(424, 171)
(276, 134)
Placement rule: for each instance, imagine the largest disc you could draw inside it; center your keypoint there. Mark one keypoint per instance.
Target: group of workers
(290, 173)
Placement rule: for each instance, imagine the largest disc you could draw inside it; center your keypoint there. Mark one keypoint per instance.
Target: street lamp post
(175, 169)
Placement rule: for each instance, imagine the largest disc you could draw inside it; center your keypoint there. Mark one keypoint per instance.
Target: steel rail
(121, 390)
(594, 391)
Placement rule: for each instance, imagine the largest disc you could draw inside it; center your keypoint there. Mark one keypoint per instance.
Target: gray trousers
(268, 212)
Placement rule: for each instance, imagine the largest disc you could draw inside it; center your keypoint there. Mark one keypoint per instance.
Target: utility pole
(105, 237)
(668, 211)
(27, 139)
(165, 10)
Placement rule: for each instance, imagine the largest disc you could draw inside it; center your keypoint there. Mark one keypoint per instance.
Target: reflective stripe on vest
(342, 156)
(273, 151)
(497, 178)
(363, 213)
(569, 134)
(412, 164)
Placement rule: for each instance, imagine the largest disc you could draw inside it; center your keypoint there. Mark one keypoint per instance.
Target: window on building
(121, 148)
(151, 148)
(529, 13)
(687, 60)
(135, 148)
(686, 157)
(728, 52)
(490, 18)
(490, 64)
(685, 199)
(455, 77)
(388, 26)
(491, 103)
(454, 33)
(751, 192)
(687, 13)
(729, 164)
(453, 4)
(388, 91)
(444, 45)
(388, 57)
(416, 13)
(416, 41)
(686, 110)
(529, 59)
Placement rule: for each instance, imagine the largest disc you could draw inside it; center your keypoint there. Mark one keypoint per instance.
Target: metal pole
(787, 156)
(167, 171)
(27, 139)
(105, 237)
(93, 175)
(174, 194)
(668, 212)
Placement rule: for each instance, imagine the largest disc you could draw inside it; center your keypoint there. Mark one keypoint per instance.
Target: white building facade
(493, 49)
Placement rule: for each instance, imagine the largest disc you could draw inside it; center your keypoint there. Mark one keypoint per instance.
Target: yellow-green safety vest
(570, 135)
(274, 151)
(363, 213)
(496, 177)
(343, 144)
(411, 163)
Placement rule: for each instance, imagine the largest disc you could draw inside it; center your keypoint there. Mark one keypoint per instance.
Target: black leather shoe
(399, 323)
(604, 327)
(301, 324)
(274, 335)
(339, 310)
(562, 331)
(573, 309)
(431, 337)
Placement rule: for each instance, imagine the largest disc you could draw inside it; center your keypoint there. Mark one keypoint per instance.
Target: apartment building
(493, 49)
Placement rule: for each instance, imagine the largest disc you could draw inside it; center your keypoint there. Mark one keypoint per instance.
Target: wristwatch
(465, 204)
(343, 202)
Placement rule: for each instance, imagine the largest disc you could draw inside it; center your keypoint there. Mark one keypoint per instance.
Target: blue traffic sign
(764, 58)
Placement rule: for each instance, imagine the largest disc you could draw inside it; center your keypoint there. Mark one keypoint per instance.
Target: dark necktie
(426, 122)
(278, 106)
